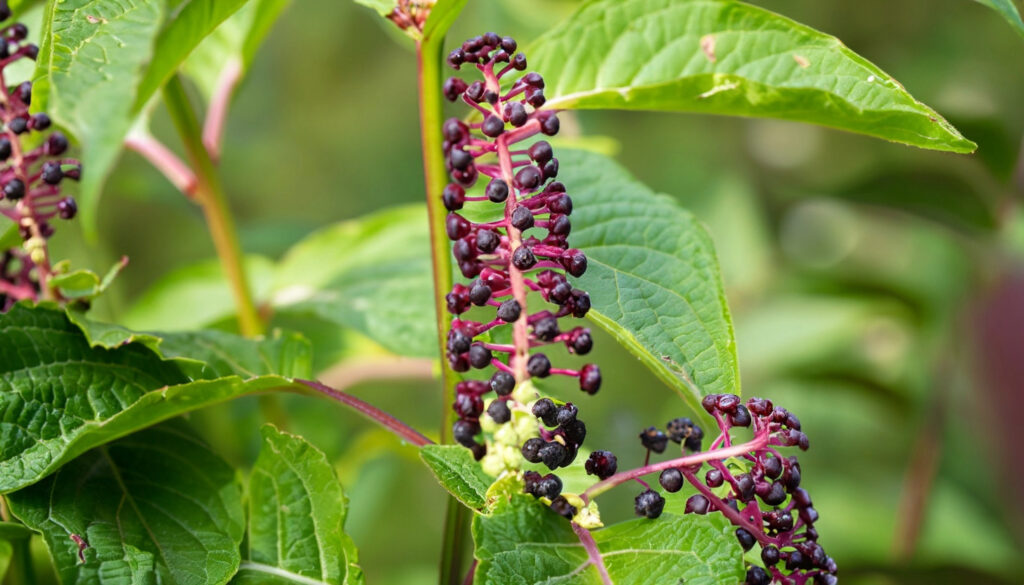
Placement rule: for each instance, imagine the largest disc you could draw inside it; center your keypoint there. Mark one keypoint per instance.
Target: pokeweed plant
(92, 463)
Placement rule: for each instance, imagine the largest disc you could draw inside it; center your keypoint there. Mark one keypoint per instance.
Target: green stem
(429, 53)
(21, 571)
(209, 193)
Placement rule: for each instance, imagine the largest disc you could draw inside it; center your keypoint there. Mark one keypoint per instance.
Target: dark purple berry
(740, 418)
(519, 62)
(456, 226)
(697, 504)
(523, 258)
(772, 466)
(560, 225)
(453, 197)
(541, 152)
(39, 121)
(528, 178)
(468, 405)
(14, 189)
(714, 478)
(575, 262)
(530, 481)
(758, 576)
(580, 303)
(456, 58)
(479, 356)
(590, 379)
(795, 561)
(493, 126)
(516, 114)
(453, 88)
(801, 498)
(649, 503)
(549, 123)
(502, 383)
(745, 487)
(563, 508)
(747, 540)
(459, 342)
(575, 433)
(460, 159)
(18, 125)
(522, 218)
(479, 293)
(5, 148)
(549, 486)
(550, 170)
(462, 250)
(603, 464)
(67, 208)
(654, 439)
(475, 91)
(710, 403)
(455, 130)
(464, 432)
(583, 343)
(728, 402)
(760, 406)
(487, 241)
(545, 410)
(499, 412)
(492, 39)
(539, 366)
(561, 292)
(497, 190)
(561, 204)
(770, 555)
(566, 414)
(671, 480)
(535, 97)
(509, 311)
(531, 449)
(552, 454)
(546, 329)
(508, 44)
(775, 495)
(24, 92)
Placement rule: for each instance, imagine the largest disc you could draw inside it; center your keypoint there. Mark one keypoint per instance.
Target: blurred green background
(876, 288)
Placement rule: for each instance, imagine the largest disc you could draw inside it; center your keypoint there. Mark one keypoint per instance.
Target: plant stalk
(209, 193)
(428, 54)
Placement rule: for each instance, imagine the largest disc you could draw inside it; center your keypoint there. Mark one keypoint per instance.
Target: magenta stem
(216, 116)
(593, 553)
(372, 412)
(165, 161)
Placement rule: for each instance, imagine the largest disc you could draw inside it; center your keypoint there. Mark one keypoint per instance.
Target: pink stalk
(165, 161)
(373, 413)
(593, 553)
(216, 116)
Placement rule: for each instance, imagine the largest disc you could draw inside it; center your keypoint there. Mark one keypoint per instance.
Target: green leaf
(1008, 10)
(441, 18)
(726, 57)
(86, 284)
(14, 531)
(157, 506)
(189, 23)
(289, 355)
(236, 40)
(382, 7)
(653, 277)
(297, 513)
(525, 542)
(61, 396)
(6, 552)
(87, 75)
(372, 275)
(195, 296)
(457, 472)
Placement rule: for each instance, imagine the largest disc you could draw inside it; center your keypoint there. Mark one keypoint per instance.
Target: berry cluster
(30, 194)
(411, 15)
(525, 250)
(752, 484)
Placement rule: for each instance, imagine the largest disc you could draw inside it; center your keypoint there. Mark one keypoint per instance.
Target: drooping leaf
(727, 57)
(297, 513)
(525, 542)
(87, 77)
(457, 472)
(189, 23)
(155, 507)
(652, 276)
(61, 396)
(235, 40)
(372, 275)
(1008, 10)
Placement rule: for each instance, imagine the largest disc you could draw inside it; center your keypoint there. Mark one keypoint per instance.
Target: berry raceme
(30, 193)
(526, 250)
(755, 486)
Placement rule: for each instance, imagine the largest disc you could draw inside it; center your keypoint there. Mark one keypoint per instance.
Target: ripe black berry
(745, 487)
(460, 159)
(552, 454)
(479, 356)
(528, 178)
(549, 123)
(550, 170)
(649, 503)
(487, 241)
(563, 508)
(18, 125)
(502, 383)
(539, 366)
(523, 258)
(499, 411)
(14, 189)
(531, 449)
(566, 414)
(801, 498)
(561, 292)
(468, 405)
(654, 439)
(741, 418)
(479, 293)
(509, 311)
(671, 480)
(493, 126)
(516, 114)
(39, 121)
(714, 478)
(746, 539)
(776, 494)
(67, 208)
(508, 44)
(561, 204)
(497, 190)
(575, 432)
(5, 148)
(545, 410)
(603, 464)
(456, 226)
(772, 467)
(519, 62)
(530, 481)
(453, 197)
(575, 262)
(560, 225)
(546, 329)
(459, 342)
(590, 379)
(464, 432)
(697, 504)
(453, 88)
(583, 343)
(758, 576)
(550, 486)
(541, 152)
(522, 218)
(580, 303)
(770, 555)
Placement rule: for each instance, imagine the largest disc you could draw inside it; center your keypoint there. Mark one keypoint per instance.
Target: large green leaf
(381, 7)
(1008, 10)
(87, 77)
(727, 57)
(156, 507)
(525, 542)
(441, 18)
(372, 275)
(297, 513)
(189, 23)
(235, 40)
(60, 395)
(457, 472)
(653, 277)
